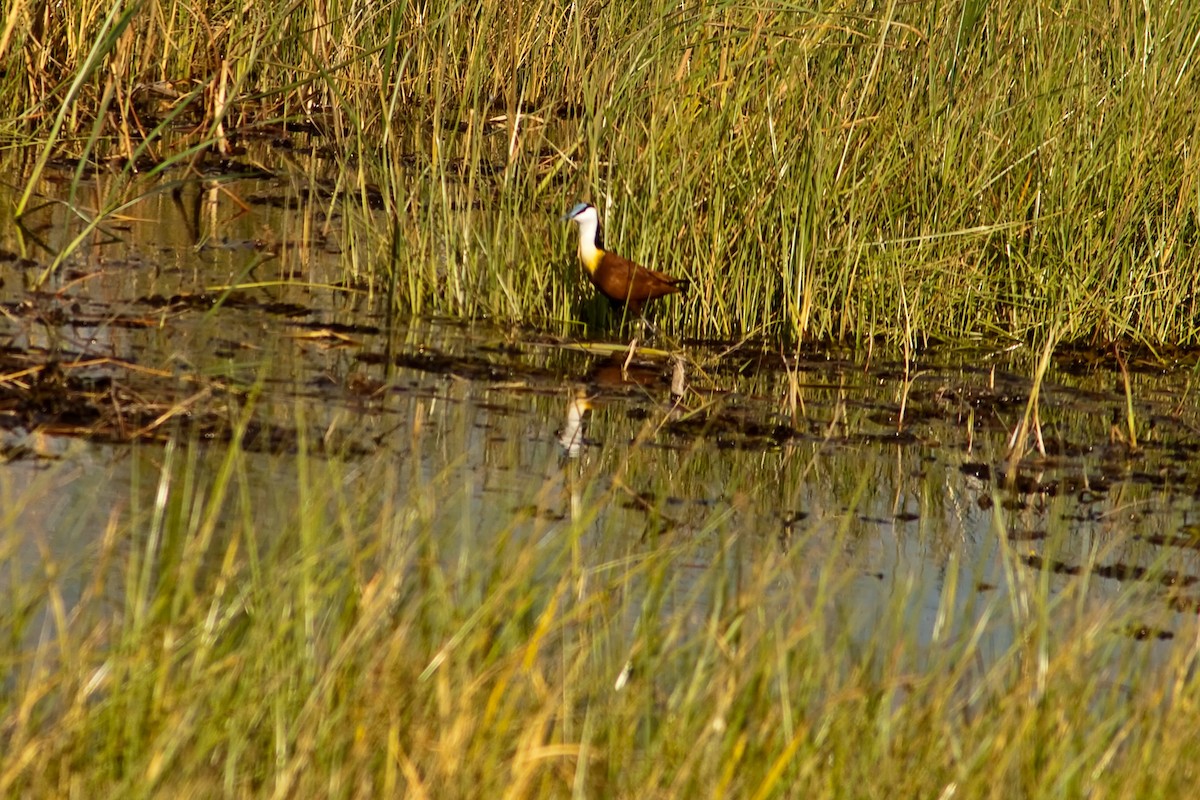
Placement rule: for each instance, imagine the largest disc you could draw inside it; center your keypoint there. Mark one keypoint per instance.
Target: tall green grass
(844, 171)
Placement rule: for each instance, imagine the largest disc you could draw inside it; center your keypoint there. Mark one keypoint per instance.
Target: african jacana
(623, 282)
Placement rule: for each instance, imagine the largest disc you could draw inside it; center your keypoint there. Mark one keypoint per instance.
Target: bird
(623, 282)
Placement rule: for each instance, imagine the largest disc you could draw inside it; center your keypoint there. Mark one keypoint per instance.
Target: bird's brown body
(623, 282)
(626, 283)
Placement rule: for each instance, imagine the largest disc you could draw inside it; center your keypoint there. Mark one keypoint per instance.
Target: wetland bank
(325, 473)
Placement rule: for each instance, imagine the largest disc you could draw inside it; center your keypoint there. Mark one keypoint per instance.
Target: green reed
(905, 170)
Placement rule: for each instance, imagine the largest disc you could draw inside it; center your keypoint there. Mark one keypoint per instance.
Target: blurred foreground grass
(358, 631)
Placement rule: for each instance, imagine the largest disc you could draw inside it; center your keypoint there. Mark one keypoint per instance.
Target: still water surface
(889, 473)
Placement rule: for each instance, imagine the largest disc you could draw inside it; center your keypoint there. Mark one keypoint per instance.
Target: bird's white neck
(589, 254)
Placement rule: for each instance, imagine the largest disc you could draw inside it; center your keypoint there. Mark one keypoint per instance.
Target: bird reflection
(572, 434)
(615, 375)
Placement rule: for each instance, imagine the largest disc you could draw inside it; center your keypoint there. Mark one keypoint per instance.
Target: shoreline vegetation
(897, 172)
(213, 621)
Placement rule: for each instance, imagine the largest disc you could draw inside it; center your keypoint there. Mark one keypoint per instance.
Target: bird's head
(584, 215)
(581, 213)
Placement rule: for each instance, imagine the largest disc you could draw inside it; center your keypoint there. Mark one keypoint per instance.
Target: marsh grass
(358, 631)
(904, 170)
(899, 171)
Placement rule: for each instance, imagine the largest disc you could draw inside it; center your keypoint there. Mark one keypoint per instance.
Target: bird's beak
(575, 210)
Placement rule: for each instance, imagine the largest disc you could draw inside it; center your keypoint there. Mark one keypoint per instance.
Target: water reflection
(571, 434)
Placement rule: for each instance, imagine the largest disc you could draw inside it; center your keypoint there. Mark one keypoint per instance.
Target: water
(819, 462)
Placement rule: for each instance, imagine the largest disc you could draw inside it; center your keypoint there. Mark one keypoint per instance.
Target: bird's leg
(661, 339)
(647, 324)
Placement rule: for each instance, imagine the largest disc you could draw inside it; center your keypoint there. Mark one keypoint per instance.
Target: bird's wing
(621, 279)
